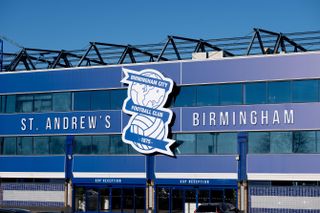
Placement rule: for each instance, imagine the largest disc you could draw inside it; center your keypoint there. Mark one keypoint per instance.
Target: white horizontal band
(32, 175)
(109, 175)
(287, 176)
(285, 202)
(197, 175)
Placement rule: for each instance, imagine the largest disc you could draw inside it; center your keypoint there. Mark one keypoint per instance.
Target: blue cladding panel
(32, 164)
(194, 164)
(252, 68)
(109, 164)
(308, 163)
(70, 79)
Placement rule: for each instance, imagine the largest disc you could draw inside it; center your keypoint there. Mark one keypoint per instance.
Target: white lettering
(243, 117)
(48, 124)
(288, 117)
(276, 118)
(74, 122)
(253, 117)
(82, 122)
(264, 117)
(212, 119)
(65, 123)
(224, 118)
(108, 123)
(195, 119)
(23, 124)
(56, 124)
(92, 122)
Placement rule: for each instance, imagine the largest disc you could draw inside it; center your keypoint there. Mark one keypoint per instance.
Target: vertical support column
(68, 174)
(150, 183)
(242, 171)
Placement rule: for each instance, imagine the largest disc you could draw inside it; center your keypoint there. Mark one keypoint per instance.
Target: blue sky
(71, 24)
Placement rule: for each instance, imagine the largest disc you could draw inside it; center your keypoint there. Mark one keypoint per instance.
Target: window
(186, 144)
(57, 145)
(61, 102)
(9, 146)
(1, 107)
(82, 145)
(100, 144)
(208, 95)
(281, 142)
(24, 103)
(100, 100)
(227, 143)
(279, 92)
(304, 142)
(256, 93)
(305, 91)
(41, 145)
(259, 142)
(24, 146)
(42, 103)
(186, 96)
(116, 145)
(230, 94)
(117, 97)
(81, 101)
(205, 143)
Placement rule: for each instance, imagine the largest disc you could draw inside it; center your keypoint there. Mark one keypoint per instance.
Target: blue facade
(214, 102)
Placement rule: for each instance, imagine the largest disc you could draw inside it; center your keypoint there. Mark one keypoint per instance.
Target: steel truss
(175, 48)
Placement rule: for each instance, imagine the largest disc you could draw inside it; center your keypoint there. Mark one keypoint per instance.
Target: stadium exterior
(246, 131)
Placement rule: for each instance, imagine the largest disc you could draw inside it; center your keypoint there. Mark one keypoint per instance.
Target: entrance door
(122, 199)
(187, 199)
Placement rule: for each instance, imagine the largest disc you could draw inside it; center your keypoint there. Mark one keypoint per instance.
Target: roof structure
(175, 48)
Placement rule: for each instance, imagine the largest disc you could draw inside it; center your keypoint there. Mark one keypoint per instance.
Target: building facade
(246, 132)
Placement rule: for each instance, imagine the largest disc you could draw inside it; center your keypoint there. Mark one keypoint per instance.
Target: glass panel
(281, 142)
(186, 144)
(24, 103)
(203, 196)
(230, 94)
(128, 199)
(104, 200)
(24, 145)
(279, 92)
(100, 144)
(1, 108)
(42, 103)
(207, 95)
(216, 196)
(140, 200)
(117, 97)
(80, 199)
(205, 143)
(259, 142)
(177, 200)
(9, 146)
(230, 196)
(41, 145)
(305, 91)
(186, 96)
(92, 200)
(116, 200)
(318, 141)
(10, 103)
(256, 93)
(304, 142)
(61, 102)
(100, 100)
(227, 143)
(163, 199)
(57, 144)
(190, 200)
(82, 144)
(82, 101)
(116, 145)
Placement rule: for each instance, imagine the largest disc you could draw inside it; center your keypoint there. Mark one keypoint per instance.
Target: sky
(72, 24)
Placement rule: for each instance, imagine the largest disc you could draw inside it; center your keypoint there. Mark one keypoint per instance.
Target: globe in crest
(147, 95)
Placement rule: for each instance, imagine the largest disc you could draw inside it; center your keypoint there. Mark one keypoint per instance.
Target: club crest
(148, 127)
